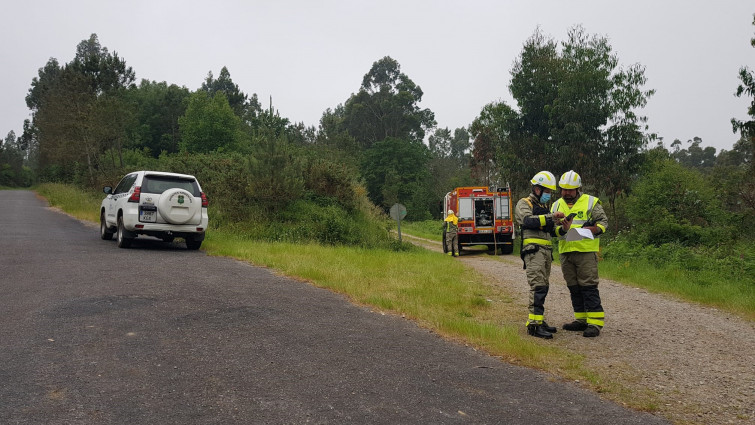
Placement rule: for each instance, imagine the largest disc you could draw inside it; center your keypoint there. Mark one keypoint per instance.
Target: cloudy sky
(311, 55)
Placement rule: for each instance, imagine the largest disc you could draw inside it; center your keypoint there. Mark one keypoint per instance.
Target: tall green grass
(717, 275)
(84, 205)
(428, 229)
(705, 287)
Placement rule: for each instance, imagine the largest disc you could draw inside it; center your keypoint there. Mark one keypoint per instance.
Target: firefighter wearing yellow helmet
(579, 253)
(536, 224)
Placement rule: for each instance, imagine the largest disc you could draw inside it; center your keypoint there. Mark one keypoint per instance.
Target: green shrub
(672, 204)
(733, 261)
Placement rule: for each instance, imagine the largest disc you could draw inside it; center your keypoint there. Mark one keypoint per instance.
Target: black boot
(591, 332)
(538, 331)
(551, 329)
(575, 326)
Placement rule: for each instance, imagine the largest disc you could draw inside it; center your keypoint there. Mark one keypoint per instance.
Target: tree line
(576, 108)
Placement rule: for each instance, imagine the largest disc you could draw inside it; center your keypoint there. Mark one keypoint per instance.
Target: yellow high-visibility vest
(583, 209)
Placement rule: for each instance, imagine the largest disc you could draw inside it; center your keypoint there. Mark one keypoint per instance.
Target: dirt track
(698, 360)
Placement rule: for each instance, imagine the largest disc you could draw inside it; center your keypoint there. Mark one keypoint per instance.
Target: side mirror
(107, 189)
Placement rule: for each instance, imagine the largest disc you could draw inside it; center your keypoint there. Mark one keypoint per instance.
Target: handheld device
(571, 216)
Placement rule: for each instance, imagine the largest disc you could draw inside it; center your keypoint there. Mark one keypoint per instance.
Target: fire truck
(485, 217)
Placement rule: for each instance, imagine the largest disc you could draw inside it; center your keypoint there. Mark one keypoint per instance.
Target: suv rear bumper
(132, 224)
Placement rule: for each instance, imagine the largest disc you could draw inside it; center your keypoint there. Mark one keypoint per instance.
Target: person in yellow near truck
(579, 257)
(537, 226)
(451, 227)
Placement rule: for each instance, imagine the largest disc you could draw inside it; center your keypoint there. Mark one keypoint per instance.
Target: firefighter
(579, 258)
(536, 224)
(451, 226)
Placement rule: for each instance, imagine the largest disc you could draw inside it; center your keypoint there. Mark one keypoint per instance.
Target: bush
(733, 261)
(672, 204)
(281, 192)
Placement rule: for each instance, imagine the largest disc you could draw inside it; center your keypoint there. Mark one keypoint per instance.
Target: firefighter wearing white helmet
(451, 227)
(579, 253)
(570, 180)
(536, 226)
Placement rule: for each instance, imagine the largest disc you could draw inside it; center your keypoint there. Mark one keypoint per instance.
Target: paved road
(157, 334)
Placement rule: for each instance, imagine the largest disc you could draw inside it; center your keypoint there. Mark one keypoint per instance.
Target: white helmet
(545, 179)
(450, 211)
(570, 180)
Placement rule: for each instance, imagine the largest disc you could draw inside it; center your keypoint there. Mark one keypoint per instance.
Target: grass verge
(74, 201)
(428, 229)
(703, 287)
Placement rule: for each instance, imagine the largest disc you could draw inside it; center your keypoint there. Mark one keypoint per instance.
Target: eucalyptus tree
(695, 156)
(11, 161)
(495, 159)
(158, 107)
(78, 109)
(385, 121)
(460, 146)
(746, 185)
(747, 87)
(386, 105)
(440, 143)
(395, 170)
(577, 109)
(447, 165)
(333, 134)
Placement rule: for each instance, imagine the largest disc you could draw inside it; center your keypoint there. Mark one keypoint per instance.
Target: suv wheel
(192, 244)
(123, 241)
(105, 233)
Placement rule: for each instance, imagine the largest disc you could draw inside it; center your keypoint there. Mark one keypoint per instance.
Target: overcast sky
(311, 55)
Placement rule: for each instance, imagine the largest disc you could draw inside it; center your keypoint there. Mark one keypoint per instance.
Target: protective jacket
(535, 221)
(589, 213)
(451, 223)
(536, 228)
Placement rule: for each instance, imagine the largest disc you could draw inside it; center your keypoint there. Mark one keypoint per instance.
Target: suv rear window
(159, 184)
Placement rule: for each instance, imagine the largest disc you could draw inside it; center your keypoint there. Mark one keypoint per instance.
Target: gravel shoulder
(698, 361)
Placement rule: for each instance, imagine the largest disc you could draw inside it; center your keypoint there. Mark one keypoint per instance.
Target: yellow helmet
(570, 180)
(545, 179)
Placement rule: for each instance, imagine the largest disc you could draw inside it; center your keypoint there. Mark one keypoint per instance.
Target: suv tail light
(205, 202)
(136, 195)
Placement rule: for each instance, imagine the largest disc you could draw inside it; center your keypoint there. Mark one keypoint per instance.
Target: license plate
(485, 231)
(148, 216)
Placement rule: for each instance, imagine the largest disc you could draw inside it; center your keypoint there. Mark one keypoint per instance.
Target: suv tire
(105, 232)
(193, 244)
(123, 240)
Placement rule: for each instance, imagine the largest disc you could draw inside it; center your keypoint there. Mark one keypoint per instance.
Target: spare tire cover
(178, 206)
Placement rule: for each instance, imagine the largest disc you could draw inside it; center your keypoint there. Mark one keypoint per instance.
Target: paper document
(577, 234)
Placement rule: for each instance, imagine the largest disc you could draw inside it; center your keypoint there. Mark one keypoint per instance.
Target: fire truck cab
(485, 217)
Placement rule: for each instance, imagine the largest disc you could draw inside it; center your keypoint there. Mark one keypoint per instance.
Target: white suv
(153, 203)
